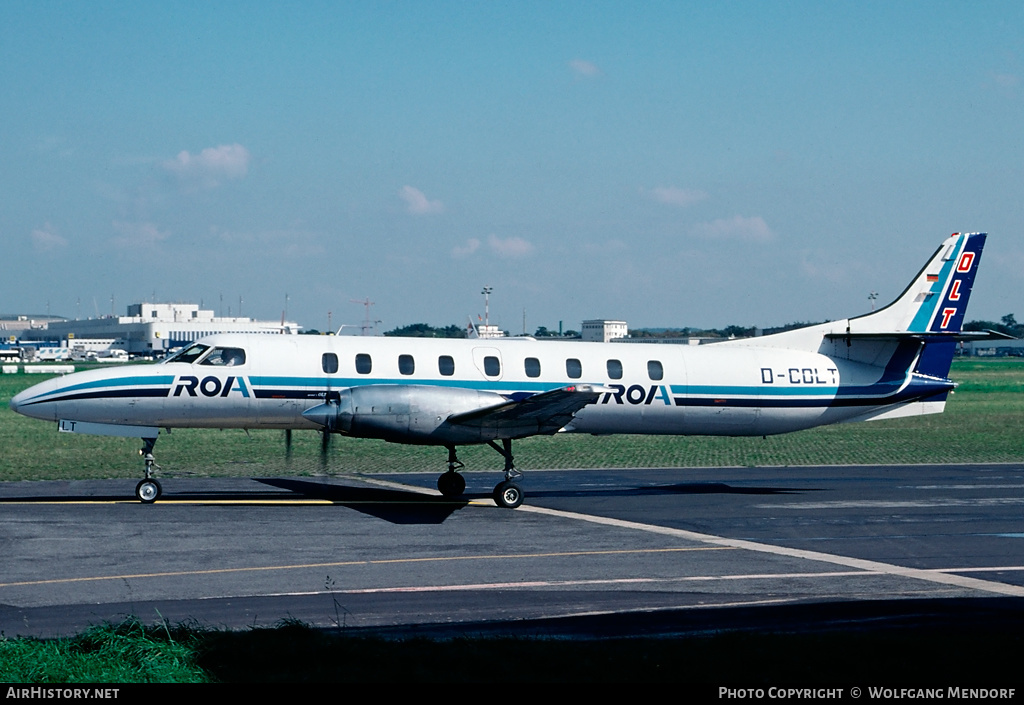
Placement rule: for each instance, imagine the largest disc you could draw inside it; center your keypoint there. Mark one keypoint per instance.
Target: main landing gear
(451, 483)
(506, 494)
(148, 490)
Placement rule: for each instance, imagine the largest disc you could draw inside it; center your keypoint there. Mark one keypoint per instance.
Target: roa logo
(636, 394)
(210, 386)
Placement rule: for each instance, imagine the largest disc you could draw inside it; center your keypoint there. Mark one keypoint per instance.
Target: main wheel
(148, 491)
(451, 484)
(507, 494)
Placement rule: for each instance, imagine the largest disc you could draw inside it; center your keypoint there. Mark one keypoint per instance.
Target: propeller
(325, 448)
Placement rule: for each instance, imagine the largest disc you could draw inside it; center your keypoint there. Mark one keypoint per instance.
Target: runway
(602, 550)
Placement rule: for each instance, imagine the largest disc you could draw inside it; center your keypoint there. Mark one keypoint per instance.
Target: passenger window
(406, 365)
(614, 369)
(573, 368)
(532, 366)
(329, 363)
(655, 370)
(446, 365)
(225, 357)
(363, 364)
(492, 366)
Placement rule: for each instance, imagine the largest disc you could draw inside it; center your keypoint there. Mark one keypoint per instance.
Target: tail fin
(917, 332)
(932, 308)
(895, 361)
(936, 300)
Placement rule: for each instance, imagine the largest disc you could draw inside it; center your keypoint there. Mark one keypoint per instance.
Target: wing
(543, 413)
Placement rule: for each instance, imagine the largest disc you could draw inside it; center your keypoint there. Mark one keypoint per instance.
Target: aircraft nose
(15, 401)
(21, 403)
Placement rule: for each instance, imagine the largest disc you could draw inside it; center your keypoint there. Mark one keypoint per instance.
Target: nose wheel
(148, 491)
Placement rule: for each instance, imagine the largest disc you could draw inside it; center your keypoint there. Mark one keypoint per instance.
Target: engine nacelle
(403, 413)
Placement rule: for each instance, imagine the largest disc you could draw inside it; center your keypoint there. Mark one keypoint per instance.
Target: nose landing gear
(148, 490)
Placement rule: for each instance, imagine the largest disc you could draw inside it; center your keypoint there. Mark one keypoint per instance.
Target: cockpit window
(225, 357)
(190, 354)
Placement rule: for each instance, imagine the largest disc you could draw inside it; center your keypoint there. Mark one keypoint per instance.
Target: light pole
(487, 304)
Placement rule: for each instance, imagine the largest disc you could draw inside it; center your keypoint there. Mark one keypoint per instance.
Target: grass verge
(296, 653)
(123, 653)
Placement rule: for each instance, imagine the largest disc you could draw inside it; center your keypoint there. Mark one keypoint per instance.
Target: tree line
(1007, 324)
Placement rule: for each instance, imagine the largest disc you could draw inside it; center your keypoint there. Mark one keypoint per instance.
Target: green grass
(124, 653)
(296, 653)
(982, 423)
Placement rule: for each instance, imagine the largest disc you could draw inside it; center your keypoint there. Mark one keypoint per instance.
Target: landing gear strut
(148, 490)
(451, 483)
(507, 493)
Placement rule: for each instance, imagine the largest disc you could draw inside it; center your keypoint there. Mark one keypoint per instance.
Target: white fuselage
(645, 388)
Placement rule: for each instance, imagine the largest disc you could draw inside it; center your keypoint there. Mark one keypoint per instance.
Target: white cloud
(46, 240)
(681, 197)
(290, 242)
(510, 247)
(211, 166)
(137, 234)
(471, 246)
(584, 69)
(736, 228)
(418, 203)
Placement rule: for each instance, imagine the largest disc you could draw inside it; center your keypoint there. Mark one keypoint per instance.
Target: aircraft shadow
(405, 507)
(395, 506)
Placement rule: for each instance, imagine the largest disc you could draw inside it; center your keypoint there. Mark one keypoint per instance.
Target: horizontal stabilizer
(931, 336)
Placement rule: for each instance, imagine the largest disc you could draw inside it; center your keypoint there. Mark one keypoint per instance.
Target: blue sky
(670, 164)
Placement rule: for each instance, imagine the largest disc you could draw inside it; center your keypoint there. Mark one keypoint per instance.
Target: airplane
(889, 363)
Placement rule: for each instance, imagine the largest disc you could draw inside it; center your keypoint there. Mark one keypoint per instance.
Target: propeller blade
(325, 447)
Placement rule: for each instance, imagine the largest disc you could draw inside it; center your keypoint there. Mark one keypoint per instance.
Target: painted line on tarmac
(945, 576)
(382, 561)
(898, 504)
(251, 502)
(587, 583)
(870, 567)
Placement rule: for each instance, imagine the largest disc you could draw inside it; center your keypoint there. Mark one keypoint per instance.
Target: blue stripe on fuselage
(143, 386)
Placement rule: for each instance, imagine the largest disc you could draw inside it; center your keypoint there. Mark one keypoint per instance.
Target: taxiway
(627, 547)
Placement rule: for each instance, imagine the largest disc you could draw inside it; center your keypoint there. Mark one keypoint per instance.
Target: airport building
(483, 331)
(152, 329)
(1013, 347)
(603, 331)
(13, 327)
